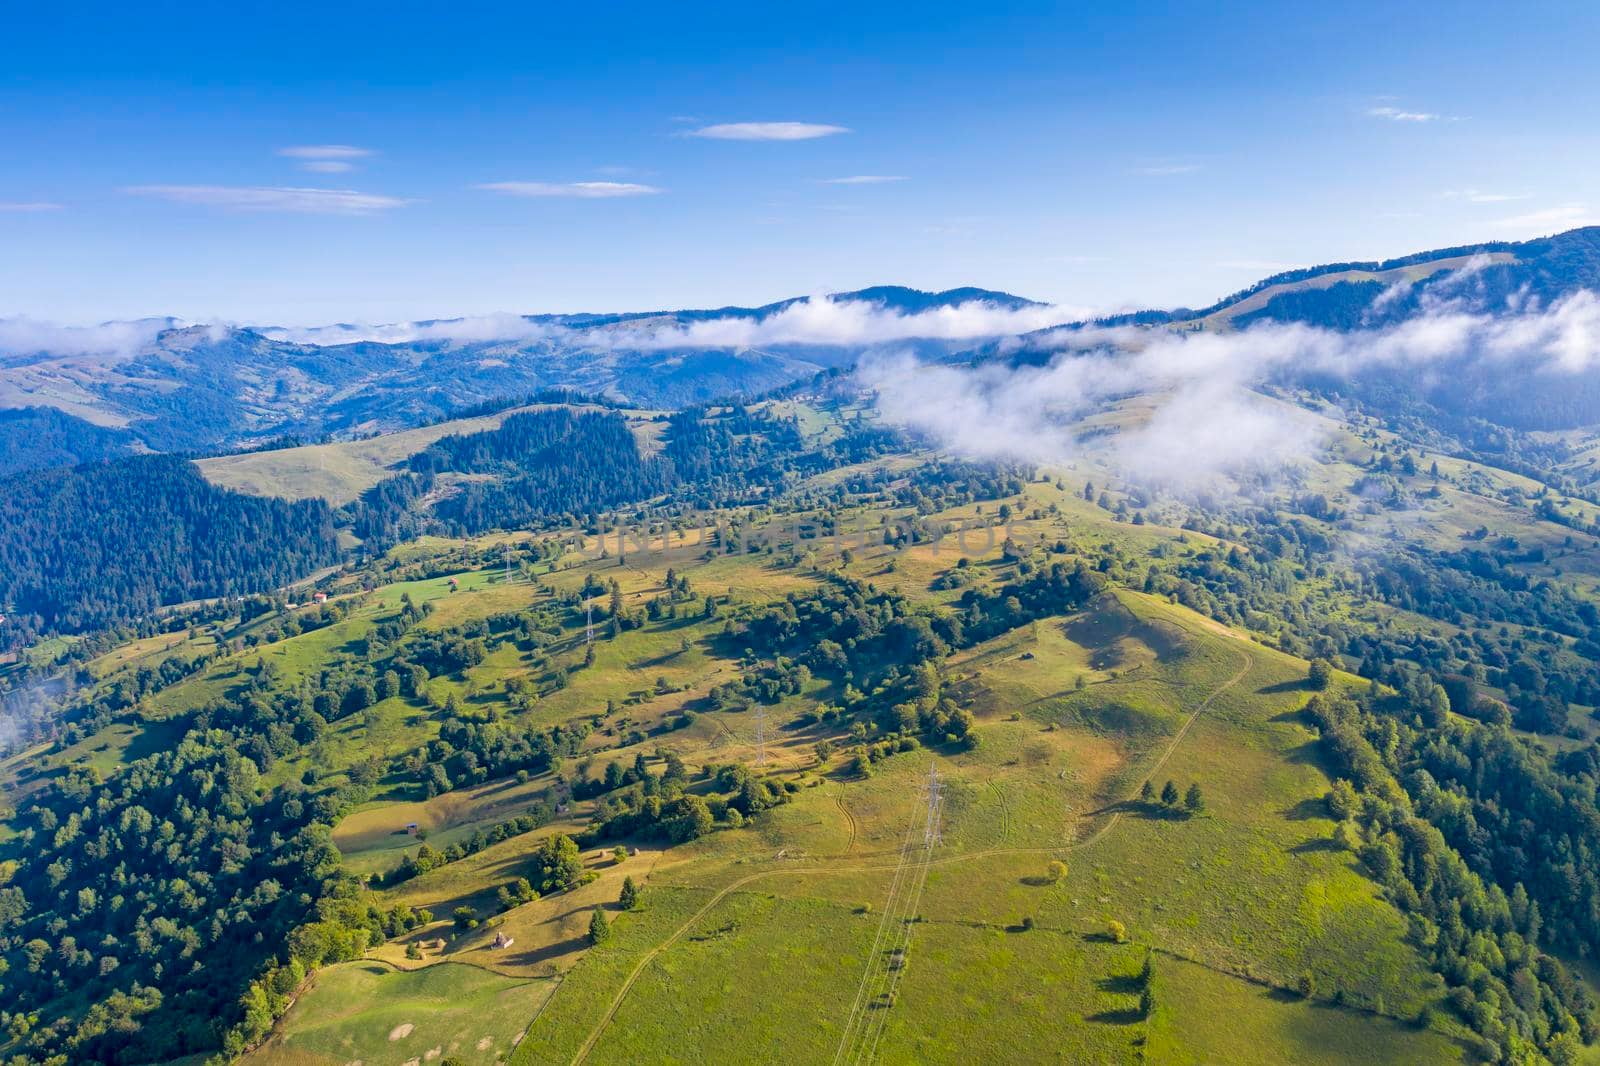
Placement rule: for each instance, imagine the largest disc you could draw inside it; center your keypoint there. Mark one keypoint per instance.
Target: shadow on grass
(545, 953)
(1129, 1016)
(1127, 984)
(1307, 809)
(1314, 845)
(1307, 754)
(1301, 685)
(1155, 812)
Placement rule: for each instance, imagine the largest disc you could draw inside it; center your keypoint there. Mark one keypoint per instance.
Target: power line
(895, 958)
(869, 1014)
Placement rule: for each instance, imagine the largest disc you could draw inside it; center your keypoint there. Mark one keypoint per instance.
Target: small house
(502, 941)
(321, 597)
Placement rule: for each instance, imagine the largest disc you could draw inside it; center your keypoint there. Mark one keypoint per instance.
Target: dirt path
(706, 908)
(1006, 823)
(845, 810)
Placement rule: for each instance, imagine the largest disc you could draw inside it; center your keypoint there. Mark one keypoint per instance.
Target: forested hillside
(41, 438)
(104, 543)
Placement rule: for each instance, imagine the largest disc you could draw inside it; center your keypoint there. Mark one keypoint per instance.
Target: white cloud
(866, 179)
(583, 190)
(25, 207)
(1395, 114)
(273, 198)
(326, 158)
(478, 329)
(767, 131)
(821, 320)
(1206, 425)
(1550, 220)
(1566, 337)
(27, 336)
(325, 151)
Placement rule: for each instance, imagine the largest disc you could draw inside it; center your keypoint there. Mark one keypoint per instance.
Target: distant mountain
(175, 388)
(1345, 295)
(164, 387)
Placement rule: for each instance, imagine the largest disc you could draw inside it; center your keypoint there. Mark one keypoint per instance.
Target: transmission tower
(588, 621)
(761, 736)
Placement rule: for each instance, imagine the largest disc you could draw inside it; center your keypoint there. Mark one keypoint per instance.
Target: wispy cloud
(819, 320)
(1162, 170)
(273, 198)
(866, 179)
(24, 207)
(27, 336)
(1395, 114)
(822, 320)
(1550, 220)
(1207, 425)
(325, 151)
(480, 328)
(582, 190)
(768, 131)
(326, 158)
(1478, 196)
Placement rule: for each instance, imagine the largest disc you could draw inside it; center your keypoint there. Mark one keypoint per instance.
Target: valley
(774, 730)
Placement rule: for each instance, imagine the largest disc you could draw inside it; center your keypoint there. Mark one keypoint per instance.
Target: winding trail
(834, 868)
(844, 809)
(1006, 822)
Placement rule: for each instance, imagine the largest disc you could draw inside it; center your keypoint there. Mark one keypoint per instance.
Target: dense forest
(560, 463)
(96, 545)
(546, 463)
(1479, 841)
(41, 438)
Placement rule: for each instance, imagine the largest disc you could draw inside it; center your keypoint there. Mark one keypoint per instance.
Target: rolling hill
(570, 731)
(173, 388)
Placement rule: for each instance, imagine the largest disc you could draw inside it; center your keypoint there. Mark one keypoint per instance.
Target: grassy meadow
(751, 944)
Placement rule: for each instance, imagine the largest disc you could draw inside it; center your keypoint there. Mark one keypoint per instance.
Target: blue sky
(188, 160)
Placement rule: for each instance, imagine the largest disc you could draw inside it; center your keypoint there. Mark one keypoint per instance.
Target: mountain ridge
(205, 389)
